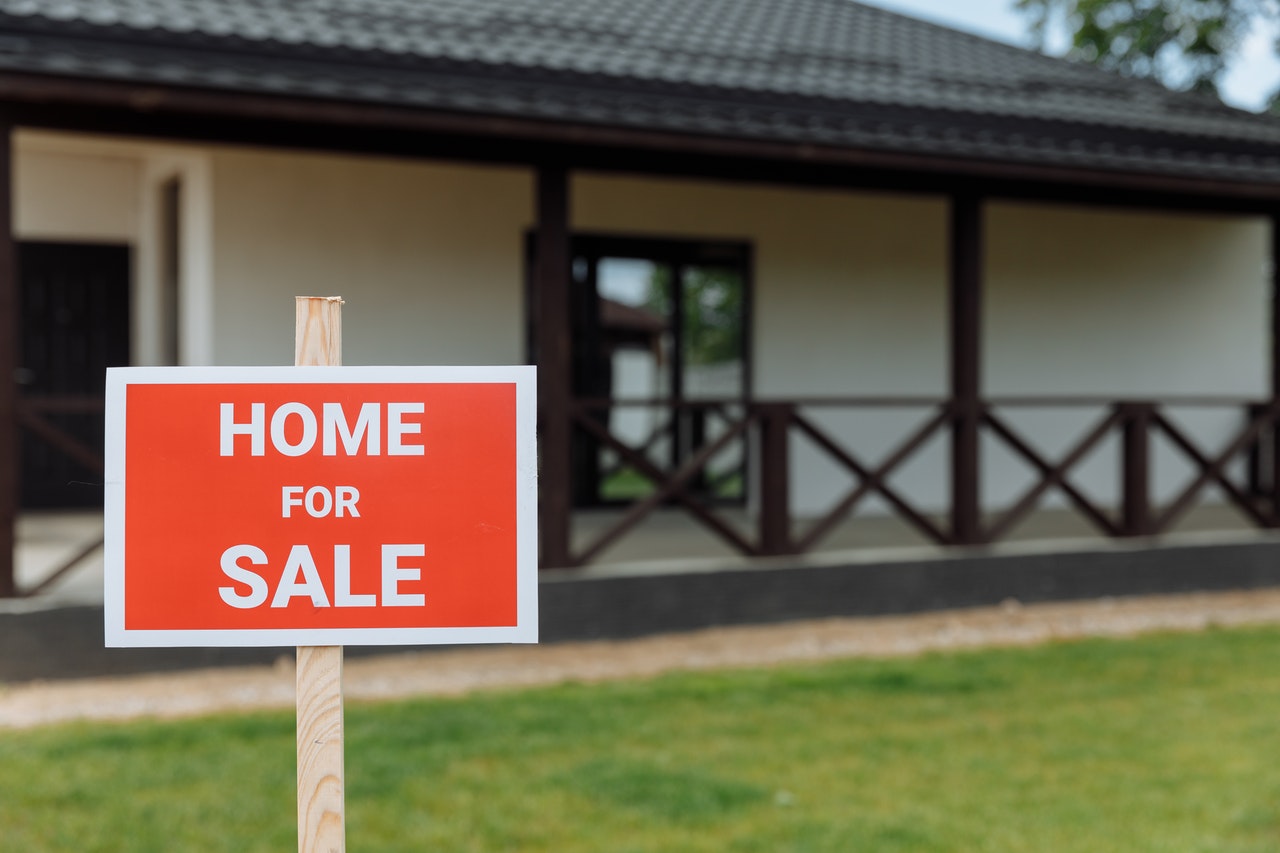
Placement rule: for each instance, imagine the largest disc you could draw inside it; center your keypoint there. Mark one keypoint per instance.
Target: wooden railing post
(966, 509)
(1263, 460)
(775, 480)
(966, 257)
(1258, 463)
(1136, 470)
(10, 329)
(1271, 435)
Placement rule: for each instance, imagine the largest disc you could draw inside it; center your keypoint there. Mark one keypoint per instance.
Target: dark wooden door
(75, 324)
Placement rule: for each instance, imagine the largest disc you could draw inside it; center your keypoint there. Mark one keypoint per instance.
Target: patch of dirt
(460, 671)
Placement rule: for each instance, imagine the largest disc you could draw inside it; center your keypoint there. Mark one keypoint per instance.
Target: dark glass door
(660, 328)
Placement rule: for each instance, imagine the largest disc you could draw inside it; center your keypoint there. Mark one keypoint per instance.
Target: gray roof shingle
(822, 71)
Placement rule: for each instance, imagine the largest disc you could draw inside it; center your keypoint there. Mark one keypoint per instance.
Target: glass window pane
(713, 368)
(713, 333)
(636, 341)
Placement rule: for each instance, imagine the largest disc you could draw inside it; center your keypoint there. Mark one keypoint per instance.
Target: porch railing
(33, 415)
(34, 418)
(1241, 461)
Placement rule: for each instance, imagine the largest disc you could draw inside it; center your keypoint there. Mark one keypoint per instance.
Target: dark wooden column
(966, 249)
(1274, 485)
(551, 296)
(9, 331)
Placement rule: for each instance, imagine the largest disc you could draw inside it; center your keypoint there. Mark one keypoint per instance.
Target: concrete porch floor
(671, 540)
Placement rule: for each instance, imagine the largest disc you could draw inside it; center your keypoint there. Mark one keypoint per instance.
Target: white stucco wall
(1136, 305)
(78, 196)
(429, 257)
(1095, 301)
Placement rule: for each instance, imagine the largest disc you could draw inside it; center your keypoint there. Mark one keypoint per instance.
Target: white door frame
(154, 164)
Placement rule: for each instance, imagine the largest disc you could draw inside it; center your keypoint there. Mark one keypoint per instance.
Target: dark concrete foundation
(67, 642)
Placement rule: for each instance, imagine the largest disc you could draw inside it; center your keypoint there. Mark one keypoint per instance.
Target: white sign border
(524, 377)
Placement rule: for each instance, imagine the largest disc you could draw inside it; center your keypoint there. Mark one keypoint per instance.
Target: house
(778, 261)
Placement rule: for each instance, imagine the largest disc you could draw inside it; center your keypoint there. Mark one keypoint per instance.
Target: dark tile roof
(830, 72)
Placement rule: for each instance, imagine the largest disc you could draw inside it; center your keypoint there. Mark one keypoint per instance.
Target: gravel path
(454, 672)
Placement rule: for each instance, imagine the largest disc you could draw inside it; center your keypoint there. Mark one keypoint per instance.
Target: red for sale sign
(320, 506)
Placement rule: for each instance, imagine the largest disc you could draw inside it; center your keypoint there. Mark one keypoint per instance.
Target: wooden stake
(321, 794)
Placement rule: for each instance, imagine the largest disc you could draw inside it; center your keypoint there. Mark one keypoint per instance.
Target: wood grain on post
(317, 330)
(321, 811)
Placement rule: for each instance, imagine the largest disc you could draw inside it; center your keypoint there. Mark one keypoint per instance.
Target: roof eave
(199, 114)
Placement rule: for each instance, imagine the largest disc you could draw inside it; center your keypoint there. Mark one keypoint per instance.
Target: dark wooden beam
(554, 354)
(965, 264)
(10, 329)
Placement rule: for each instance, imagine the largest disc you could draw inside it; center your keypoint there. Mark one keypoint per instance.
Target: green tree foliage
(1184, 44)
(713, 317)
(712, 311)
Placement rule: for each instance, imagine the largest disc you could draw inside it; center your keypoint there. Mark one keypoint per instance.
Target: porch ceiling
(812, 83)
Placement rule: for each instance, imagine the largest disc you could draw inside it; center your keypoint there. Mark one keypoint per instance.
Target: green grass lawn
(1168, 743)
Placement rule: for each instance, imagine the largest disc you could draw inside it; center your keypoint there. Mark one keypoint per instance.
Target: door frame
(677, 252)
(141, 224)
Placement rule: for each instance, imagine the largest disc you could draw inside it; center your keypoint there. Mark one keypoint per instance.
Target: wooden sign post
(320, 506)
(321, 791)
